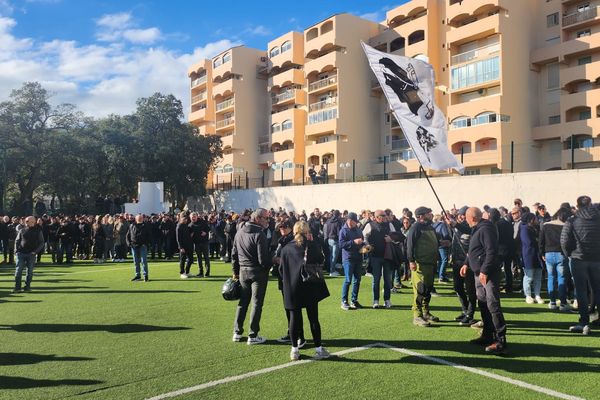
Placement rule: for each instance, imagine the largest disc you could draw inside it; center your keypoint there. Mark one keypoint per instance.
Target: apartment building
(517, 81)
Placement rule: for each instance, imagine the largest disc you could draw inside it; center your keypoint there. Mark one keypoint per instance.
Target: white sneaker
(388, 304)
(529, 300)
(183, 276)
(539, 300)
(236, 337)
(564, 307)
(575, 305)
(321, 354)
(301, 343)
(376, 304)
(294, 355)
(594, 316)
(552, 306)
(256, 340)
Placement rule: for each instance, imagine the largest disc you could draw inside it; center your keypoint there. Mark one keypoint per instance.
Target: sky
(102, 55)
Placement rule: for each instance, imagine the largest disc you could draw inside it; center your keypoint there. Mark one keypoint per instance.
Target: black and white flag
(408, 85)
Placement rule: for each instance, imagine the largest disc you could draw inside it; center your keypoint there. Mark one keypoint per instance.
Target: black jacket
(250, 249)
(506, 241)
(64, 234)
(375, 236)
(460, 243)
(314, 224)
(196, 229)
(29, 240)
(53, 231)
(183, 233)
(3, 231)
(483, 248)
(296, 293)
(138, 235)
(332, 228)
(580, 237)
(549, 240)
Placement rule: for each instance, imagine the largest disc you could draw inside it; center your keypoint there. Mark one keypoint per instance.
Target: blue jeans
(140, 255)
(334, 251)
(352, 269)
(556, 273)
(381, 266)
(24, 260)
(442, 263)
(532, 275)
(585, 273)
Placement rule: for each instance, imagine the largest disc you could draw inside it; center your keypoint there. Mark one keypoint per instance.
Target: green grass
(86, 331)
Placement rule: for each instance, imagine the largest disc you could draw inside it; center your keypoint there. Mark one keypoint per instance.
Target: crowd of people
(486, 252)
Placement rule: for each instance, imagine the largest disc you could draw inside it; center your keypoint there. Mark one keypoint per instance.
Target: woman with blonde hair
(298, 294)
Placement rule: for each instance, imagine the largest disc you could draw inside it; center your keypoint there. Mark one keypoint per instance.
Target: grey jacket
(250, 249)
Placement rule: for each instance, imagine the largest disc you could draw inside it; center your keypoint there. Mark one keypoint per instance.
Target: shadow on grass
(14, 382)
(117, 328)
(25, 358)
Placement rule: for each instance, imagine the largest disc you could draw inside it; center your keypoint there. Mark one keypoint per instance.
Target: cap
(352, 216)
(422, 211)
(463, 210)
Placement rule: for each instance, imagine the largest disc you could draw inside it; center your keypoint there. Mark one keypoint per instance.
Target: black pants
(312, 312)
(202, 253)
(156, 247)
(465, 289)
(215, 249)
(228, 247)
(488, 297)
(186, 259)
(299, 323)
(99, 248)
(169, 245)
(121, 251)
(505, 261)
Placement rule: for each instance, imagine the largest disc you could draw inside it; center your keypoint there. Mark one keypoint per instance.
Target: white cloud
(259, 30)
(121, 26)
(115, 21)
(144, 36)
(378, 15)
(100, 78)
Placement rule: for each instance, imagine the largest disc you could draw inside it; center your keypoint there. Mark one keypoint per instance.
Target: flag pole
(433, 189)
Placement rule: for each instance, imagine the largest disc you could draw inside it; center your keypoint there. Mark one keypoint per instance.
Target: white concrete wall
(549, 187)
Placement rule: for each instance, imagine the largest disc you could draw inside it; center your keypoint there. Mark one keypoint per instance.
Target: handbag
(311, 273)
(231, 289)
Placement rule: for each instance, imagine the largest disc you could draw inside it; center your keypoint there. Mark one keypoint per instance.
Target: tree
(27, 125)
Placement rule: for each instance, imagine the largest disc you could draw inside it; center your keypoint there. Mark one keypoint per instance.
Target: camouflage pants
(422, 284)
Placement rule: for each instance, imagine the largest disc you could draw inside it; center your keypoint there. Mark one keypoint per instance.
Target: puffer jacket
(580, 237)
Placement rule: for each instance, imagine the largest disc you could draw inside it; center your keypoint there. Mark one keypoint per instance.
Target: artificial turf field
(87, 332)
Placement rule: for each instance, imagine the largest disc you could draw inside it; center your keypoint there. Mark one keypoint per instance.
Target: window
(226, 57)
(460, 122)
(217, 62)
(321, 116)
(476, 73)
(275, 128)
(287, 124)
(553, 76)
(287, 164)
(274, 52)
(227, 168)
(585, 114)
(584, 60)
(554, 119)
(583, 7)
(552, 20)
(484, 118)
(586, 143)
(583, 33)
(415, 37)
(286, 46)
(475, 171)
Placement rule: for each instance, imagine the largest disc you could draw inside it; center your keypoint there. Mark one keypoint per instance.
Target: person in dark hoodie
(185, 243)
(199, 231)
(532, 265)
(251, 265)
(580, 239)
(29, 241)
(556, 262)
(331, 232)
(482, 260)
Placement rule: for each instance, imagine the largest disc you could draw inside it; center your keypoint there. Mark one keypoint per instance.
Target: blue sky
(103, 55)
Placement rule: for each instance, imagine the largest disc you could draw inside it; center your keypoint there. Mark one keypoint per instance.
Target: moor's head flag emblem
(409, 86)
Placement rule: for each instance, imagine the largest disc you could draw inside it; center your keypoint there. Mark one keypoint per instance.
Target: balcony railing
(476, 53)
(322, 105)
(404, 155)
(230, 133)
(199, 81)
(331, 80)
(322, 116)
(580, 16)
(224, 122)
(288, 94)
(198, 97)
(225, 104)
(400, 144)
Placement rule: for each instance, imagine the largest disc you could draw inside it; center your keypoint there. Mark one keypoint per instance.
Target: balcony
(322, 105)
(400, 144)
(224, 123)
(227, 140)
(589, 71)
(322, 84)
(481, 158)
(579, 17)
(585, 98)
(480, 52)
(319, 126)
(472, 7)
(482, 28)
(198, 115)
(292, 76)
(198, 81)
(225, 105)
(284, 97)
(582, 155)
(199, 97)
(224, 88)
(474, 133)
(322, 63)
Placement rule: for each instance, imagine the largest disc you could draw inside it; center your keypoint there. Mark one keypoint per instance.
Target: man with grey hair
(251, 265)
(481, 259)
(29, 241)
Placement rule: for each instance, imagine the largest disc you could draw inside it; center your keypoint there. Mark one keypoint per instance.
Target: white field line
(94, 271)
(251, 374)
(476, 371)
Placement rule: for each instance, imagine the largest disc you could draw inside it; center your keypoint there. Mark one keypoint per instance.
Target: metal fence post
(385, 168)
(512, 157)
(572, 151)
(247, 181)
(303, 172)
(353, 170)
